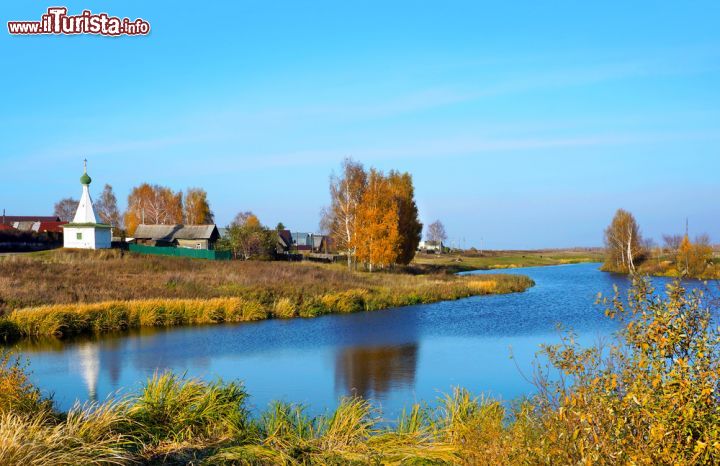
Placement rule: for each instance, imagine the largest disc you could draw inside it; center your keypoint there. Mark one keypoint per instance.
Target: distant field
(507, 259)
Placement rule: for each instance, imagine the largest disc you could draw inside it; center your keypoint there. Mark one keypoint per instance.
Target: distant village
(86, 230)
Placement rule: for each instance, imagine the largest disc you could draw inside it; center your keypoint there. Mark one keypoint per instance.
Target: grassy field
(506, 259)
(65, 293)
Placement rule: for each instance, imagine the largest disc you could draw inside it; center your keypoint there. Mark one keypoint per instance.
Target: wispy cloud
(454, 147)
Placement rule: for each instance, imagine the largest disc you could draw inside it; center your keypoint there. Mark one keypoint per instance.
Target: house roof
(52, 227)
(10, 219)
(6, 227)
(175, 232)
(26, 225)
(301, 239)
(285, 237)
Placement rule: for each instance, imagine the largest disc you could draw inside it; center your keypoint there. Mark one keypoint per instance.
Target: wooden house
(179, 236)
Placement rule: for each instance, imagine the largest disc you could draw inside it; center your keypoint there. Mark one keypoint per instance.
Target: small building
(178, 236)
(431, 247)
(39, 226)
(284, 241)
(310, 242)
(85, 232)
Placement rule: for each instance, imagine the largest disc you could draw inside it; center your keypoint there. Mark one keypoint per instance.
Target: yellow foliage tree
(153, 204)
(197, 208)
(409, 226)
(377, 238)
(692, 258)
(623, 242)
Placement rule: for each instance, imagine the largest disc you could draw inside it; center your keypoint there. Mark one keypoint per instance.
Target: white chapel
(84, 232)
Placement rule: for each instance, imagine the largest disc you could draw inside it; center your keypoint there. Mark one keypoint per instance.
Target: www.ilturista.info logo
(57, 21)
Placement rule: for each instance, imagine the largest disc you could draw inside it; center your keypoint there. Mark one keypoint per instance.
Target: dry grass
(65, 293)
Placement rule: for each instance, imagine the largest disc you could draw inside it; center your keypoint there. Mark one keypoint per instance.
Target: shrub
(17, 394)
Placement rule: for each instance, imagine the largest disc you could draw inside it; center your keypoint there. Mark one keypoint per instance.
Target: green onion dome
(85, 179)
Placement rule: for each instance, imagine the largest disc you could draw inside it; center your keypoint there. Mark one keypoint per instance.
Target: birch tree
(107, 209)
(436, 232)
(153, 204)
(197, 208)
(623, 242)
(346, 193)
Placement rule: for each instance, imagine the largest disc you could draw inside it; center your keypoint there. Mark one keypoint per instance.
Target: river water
(394, 357)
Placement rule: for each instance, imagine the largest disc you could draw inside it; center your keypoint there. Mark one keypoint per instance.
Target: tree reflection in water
(371, 371)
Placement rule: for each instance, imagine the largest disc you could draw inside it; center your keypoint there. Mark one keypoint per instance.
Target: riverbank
(490, 260)
(666, 267)
(593, 418)
(64, 293)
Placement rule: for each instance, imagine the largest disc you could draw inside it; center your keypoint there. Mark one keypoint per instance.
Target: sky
(524, 124)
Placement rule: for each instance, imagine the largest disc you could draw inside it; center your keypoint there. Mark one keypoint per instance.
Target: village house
(12, 219)
(311, 242)
(179, 236)
(54, 227)
(284, 241)
(431, 247)
(26, 232)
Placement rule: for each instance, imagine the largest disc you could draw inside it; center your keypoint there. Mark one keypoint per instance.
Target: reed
(66, 320)
(173, 409)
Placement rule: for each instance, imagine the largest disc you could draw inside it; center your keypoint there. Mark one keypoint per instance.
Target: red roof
(10, 219)
(5, 227)
(51, 227)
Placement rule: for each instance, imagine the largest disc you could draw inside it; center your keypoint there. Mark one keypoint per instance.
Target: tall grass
(64, 320)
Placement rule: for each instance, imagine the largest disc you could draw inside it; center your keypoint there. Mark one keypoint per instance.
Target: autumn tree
(153, 204)
(346, 193)
(409, 227)
(107, 209)
(692, 258)
(623, 242)
(377, 237)
(247, 238)
(65, 209)
(436, 232)
(197, 208)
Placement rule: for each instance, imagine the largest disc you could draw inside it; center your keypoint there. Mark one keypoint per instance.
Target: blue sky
(524, 124)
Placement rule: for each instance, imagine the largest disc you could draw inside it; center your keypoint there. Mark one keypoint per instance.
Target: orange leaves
(197, 208)
(153, 204)
(373, 217)
(378, 234)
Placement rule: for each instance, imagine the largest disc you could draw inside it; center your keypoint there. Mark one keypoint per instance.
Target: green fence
(180, 252)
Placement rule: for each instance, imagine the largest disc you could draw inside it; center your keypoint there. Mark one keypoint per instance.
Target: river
(394, 357)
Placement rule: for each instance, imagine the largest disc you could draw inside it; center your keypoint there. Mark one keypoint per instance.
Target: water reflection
(89, 367)
(372, 371)
(393, 357)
